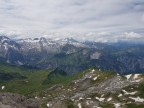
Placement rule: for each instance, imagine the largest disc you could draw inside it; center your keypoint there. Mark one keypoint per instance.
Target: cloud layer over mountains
(39, 17)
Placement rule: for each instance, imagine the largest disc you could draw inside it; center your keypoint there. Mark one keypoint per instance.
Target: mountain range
(72, 55)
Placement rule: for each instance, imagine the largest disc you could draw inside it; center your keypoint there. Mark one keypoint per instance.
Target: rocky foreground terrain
(9, 100)
(93, 89)
(98, 90)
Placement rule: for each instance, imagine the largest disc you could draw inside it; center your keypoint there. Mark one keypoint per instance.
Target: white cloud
(131, 35)
(39, 17)
(112, 37)
(10, 33)
(104, 33)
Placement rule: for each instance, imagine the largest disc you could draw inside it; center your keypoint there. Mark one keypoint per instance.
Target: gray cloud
(39, 17)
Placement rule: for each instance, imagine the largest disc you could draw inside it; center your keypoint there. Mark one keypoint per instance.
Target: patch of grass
(70, 104)
(141, 90)
(43, 105)
(133, 105)
(106, 105)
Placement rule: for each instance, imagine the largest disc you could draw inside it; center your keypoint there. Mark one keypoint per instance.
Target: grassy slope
(32, 83)
(34, 80)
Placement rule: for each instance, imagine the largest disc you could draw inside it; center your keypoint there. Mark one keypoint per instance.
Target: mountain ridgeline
(72, 56)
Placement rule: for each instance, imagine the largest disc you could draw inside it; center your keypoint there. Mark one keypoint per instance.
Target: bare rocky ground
(95, 89)
(9, 100)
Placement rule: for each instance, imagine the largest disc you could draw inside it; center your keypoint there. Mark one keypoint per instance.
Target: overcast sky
(39, 17)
